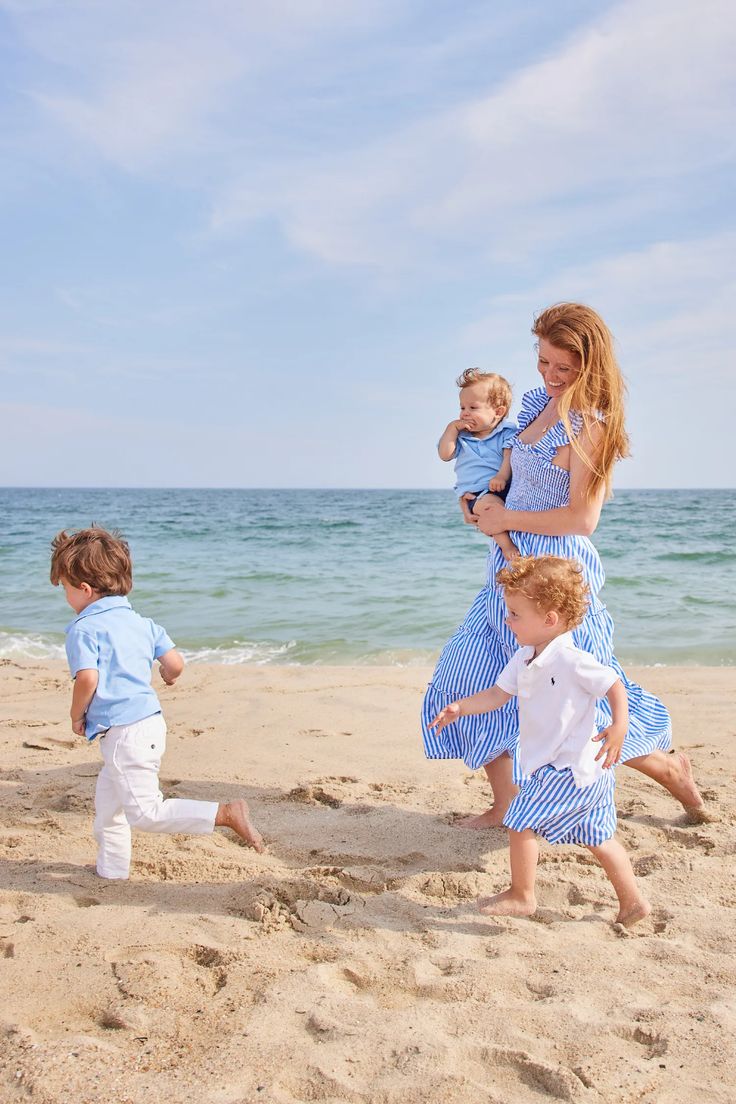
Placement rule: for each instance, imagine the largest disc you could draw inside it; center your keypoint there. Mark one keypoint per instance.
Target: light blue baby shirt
(111, 638)
(477, 460)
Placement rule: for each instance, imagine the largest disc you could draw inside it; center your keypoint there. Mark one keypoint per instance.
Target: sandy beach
(348, 962)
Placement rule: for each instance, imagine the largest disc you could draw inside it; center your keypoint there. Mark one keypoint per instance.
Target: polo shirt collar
(559, 643)
(102, 605)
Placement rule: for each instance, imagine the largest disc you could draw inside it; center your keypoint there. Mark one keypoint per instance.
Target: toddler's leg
(519, 899)
(615, 861)
(500, 774)
(137, 760)
(111, 828)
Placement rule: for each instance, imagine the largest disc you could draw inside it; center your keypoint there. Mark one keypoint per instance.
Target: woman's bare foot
(634, 913)
(236, 815)
(507, 903)
(492, 818)
(689, 794)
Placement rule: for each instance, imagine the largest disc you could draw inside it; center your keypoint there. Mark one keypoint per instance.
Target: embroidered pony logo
(552, 679)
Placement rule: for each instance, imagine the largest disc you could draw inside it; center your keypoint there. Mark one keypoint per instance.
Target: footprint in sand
(560, 1082)
(314, 795)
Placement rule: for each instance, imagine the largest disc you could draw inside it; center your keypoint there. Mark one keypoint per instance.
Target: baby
(479, 441)
(567, 792)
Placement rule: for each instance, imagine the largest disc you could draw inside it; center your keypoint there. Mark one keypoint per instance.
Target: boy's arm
(613, 737)
(502, 476)
(85, 685)
(448, 441)
(171, 665)
(483, 702)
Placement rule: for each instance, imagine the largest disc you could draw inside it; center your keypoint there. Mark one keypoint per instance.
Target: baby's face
(476, 411)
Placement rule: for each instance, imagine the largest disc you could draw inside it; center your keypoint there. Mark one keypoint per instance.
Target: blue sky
(253, 244)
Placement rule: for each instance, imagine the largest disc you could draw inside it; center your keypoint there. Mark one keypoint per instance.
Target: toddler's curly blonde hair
(551, 582)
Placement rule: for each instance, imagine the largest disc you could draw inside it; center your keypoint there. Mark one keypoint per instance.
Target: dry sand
(348, 963)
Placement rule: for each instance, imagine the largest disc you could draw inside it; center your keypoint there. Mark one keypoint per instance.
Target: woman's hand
(491, 514)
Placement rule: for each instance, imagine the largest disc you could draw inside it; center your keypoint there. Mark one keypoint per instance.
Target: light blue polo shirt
(111, 638)
(477, 460)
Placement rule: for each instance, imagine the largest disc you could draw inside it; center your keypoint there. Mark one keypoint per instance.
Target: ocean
(358, 577)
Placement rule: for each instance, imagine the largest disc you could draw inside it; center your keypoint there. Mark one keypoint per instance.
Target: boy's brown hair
(94, 556)
(498, 388)
(552, 582)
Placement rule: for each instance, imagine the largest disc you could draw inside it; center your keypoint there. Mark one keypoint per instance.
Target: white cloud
(668, 303)
(641, 102)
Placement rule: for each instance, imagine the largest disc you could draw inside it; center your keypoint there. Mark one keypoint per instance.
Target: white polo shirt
(557, 694)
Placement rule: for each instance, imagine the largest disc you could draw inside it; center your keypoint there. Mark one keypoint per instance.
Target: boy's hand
(168, 679)
(612, 741)
(446, 716)
(496, 483)
(78, 726)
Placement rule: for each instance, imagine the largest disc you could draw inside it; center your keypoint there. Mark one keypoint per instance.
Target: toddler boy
(111, 651)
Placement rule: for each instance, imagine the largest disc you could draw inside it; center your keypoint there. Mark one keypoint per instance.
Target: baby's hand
(446, 716)
(613, 741)
(78, 726)
(167, 678)
(496, 483)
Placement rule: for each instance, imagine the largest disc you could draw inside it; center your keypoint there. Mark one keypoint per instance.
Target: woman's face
(557, 367)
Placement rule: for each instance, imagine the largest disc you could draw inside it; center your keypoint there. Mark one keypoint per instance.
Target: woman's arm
(579, 517)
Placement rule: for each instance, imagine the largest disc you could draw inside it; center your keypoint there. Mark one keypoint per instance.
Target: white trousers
(128, 795)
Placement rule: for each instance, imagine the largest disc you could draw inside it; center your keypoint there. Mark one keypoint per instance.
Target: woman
(571, 433)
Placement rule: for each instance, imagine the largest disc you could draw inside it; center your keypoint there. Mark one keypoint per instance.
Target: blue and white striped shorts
(552, 805)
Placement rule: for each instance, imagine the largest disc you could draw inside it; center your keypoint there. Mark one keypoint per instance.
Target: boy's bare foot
(492, 818)
(236, 815)
(507, 904)
(634, 913)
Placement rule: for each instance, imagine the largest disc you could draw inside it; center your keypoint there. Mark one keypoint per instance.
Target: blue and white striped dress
(482, 646)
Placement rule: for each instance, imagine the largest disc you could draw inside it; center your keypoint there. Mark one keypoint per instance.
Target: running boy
(479, 441)
(567, 792)
(111, 650)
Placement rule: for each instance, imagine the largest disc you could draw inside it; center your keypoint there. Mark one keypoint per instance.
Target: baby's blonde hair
(498, 389)
(598, 392)
(551, 582)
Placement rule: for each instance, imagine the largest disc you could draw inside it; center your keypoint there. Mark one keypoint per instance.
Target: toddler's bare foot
(492, 818)
(634, 913)
(236, 815)
(507, 904)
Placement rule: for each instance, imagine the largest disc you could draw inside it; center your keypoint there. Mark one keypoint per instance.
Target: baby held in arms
(479, 442)
(566, 795)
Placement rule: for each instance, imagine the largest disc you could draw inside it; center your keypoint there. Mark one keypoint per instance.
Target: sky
(253, 245)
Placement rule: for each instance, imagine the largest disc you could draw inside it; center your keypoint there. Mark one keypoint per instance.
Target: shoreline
(348, 962)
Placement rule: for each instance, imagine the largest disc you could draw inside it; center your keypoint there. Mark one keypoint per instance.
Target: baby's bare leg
(503, 540)
(519, 899)
(507, 546)
(236, 815)
(617, 865)
(500, 774)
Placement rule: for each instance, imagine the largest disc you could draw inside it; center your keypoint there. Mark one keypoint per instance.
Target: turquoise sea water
(343, 577)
